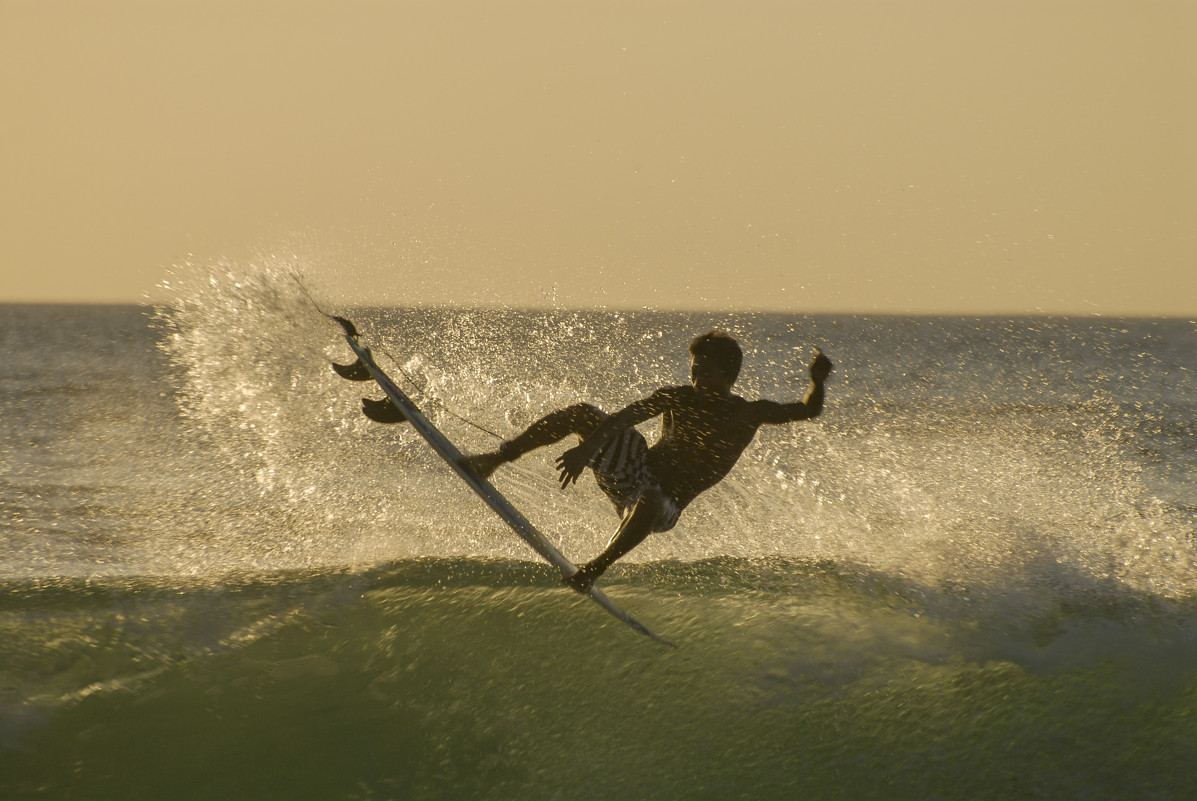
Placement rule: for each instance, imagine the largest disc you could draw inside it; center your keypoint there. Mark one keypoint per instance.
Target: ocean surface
(974, 577)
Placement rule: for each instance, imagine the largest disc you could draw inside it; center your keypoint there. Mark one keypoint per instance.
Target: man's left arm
(810, 406)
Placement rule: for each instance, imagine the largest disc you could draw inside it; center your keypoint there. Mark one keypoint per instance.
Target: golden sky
(946, 156)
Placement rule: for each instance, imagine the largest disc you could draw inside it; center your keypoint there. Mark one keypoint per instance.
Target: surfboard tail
(358, 370)
(350, 328)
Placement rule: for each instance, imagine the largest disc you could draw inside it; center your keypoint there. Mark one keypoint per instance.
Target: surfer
(704, 430)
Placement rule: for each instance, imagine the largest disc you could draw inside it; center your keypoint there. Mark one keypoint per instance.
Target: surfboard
(404, 409)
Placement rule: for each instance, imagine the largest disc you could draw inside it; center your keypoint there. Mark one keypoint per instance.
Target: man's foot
(583, 580)
(482, 464)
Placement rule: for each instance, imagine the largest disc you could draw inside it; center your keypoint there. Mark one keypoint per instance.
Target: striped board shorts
(623, 474)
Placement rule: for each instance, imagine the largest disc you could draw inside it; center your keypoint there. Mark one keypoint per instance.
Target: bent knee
(660, 508)
(584, 418)
(653, 501)
(584, 410)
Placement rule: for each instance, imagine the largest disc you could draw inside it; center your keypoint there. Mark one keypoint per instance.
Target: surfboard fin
(354, 372)
(350, 328)
(382, 411)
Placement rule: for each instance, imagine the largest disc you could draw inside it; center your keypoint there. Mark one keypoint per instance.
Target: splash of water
(964, 496)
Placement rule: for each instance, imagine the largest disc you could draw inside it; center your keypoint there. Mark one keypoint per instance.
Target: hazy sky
(812, 155)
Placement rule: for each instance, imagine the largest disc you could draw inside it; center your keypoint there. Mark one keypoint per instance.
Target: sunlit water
(973, 577)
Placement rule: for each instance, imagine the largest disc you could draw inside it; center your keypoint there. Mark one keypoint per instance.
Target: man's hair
(720, 349)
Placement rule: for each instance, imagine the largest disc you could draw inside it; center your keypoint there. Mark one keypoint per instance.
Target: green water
(460, 679)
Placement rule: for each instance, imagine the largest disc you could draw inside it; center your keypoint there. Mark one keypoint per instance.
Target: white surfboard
(485, 490)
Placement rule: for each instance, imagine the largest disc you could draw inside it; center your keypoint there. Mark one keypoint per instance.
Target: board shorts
(623, 473)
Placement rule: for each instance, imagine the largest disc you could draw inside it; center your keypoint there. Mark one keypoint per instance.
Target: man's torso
(702, 437)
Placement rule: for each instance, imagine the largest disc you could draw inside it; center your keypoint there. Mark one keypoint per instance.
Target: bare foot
(482, 464)
(581, 581)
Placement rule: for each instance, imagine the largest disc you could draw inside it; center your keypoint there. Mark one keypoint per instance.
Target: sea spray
(973, 577)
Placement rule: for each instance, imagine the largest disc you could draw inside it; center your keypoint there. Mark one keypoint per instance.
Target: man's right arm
(574, 461)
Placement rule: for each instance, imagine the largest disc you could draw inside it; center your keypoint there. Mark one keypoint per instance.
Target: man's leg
(579, 419)
(634, 529)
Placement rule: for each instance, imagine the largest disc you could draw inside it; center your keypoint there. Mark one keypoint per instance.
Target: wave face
(973, 577)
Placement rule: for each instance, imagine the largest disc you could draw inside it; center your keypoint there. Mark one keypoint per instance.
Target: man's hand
(572, 464)
(820, 367)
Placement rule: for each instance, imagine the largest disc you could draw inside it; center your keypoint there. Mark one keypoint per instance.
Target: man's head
(715, 359)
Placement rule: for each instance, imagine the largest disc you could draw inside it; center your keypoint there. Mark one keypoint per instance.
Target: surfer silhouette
(704, 430)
